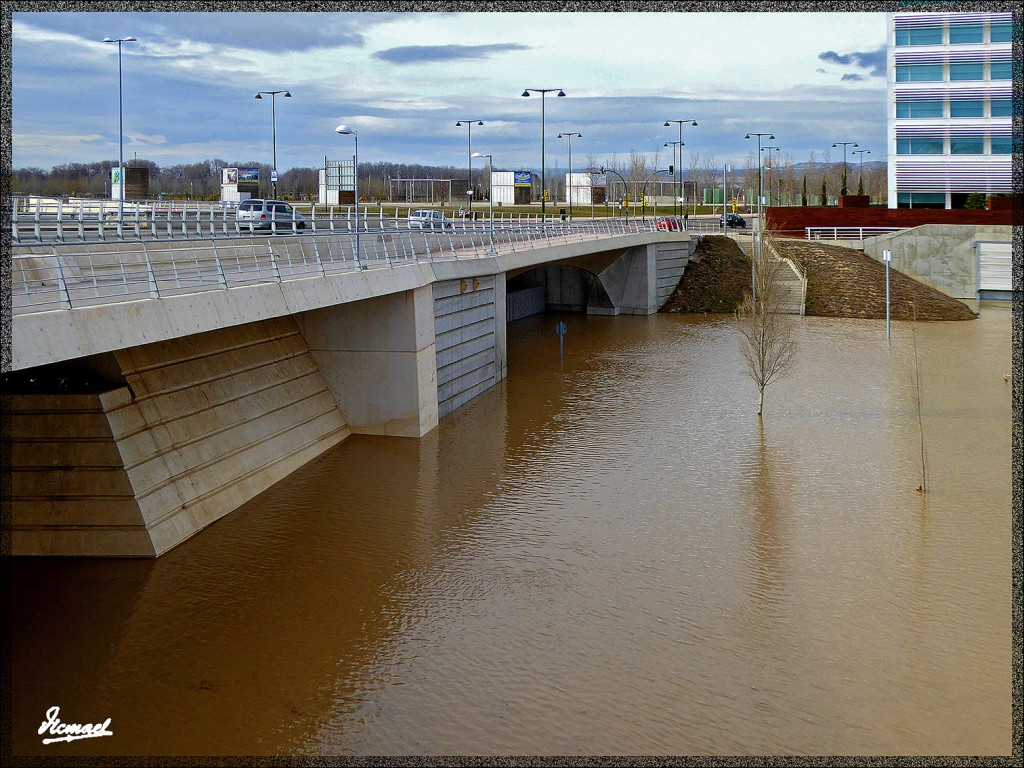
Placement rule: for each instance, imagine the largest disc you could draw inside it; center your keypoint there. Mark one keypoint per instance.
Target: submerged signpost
(560, 329)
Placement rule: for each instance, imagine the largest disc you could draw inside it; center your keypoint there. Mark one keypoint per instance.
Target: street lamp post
(469, 152)
(490, 194)
(344, 130)
(120, 119)
(760, 197)
(543, 188)
(273, 128)
(569, 137)
(861, 152)
(692, 122)
(844, 144)
(625, 188)
(643, 195)
(677, 163)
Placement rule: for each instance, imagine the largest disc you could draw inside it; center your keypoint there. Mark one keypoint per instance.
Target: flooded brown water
(605, 556)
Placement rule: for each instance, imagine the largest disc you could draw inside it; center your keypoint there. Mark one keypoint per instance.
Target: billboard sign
(339, 175)
(248, 175)
(523, 178)
(230, 175)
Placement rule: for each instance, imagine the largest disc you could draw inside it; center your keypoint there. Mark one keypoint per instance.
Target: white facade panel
(924, 171)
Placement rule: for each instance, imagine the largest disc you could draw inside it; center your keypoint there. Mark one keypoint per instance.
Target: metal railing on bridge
(847, 233)
(55, 275)
(36, 221)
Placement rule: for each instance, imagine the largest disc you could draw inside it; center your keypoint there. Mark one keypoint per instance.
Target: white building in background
(586, 188)
(949, 107)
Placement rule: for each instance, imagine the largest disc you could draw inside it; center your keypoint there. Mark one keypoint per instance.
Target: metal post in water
(560, 329)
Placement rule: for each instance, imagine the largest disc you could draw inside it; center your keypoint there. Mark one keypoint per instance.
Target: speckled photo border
(553, 7)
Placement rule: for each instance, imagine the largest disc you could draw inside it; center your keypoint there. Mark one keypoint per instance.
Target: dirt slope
(841, 282)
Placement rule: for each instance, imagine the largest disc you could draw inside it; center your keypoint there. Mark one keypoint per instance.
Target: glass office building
(950, 107)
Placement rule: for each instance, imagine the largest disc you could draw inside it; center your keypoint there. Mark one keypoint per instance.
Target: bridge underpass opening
(557, 288)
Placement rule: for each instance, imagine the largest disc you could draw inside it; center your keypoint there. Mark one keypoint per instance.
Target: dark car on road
(732, 220)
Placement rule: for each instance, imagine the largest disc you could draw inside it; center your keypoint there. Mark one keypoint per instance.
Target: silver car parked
(426, 218)
(266, 214)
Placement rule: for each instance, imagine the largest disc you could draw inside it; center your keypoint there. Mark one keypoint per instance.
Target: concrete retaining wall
(672, 258)
(940, 255)
(378, 359)
(465, 333)
(203, 425)
(525, 302)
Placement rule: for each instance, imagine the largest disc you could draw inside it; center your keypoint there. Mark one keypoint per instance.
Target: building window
(925, 36)
(1002, 108)
(1001, 70)
(1002, 145)
(919, 109)
(969, 70)
(919, 146)
(967, 145)
(966, 108)
(921, 199)
(918, 73)
(1000, 33)
(966, 33)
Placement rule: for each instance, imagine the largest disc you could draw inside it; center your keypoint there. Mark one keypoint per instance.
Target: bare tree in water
(767, 341)
(916, 393)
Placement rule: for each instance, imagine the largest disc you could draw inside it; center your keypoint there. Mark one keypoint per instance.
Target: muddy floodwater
(604, 555)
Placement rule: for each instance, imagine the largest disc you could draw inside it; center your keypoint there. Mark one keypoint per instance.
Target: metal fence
(55, 276)
(847, 233)
(42, 221)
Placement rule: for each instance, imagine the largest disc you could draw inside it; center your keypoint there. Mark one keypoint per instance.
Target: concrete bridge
(164, 385)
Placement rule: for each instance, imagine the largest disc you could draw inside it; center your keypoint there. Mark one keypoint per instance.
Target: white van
(266, 214)
(429, 219)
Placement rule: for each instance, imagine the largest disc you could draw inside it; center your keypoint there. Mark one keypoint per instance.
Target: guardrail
(847, 233)
(60, 276)
(87, 221)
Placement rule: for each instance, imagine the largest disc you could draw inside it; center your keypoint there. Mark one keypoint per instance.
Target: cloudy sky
(402, 80)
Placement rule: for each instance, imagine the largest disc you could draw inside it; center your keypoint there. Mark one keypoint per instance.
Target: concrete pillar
(378, 358)
(631, 281)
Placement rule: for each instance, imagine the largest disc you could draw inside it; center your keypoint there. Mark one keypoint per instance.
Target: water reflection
(603, 555)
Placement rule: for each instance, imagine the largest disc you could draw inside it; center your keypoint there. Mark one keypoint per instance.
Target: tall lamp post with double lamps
(469, 152)
(120, 119)
(273, 128)
(543, 187)
(676, 164)
(844, 144)
(860, 181)
(490, 194)
(760, 197)
(344, 130)
(668, 123)
(569, 137)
